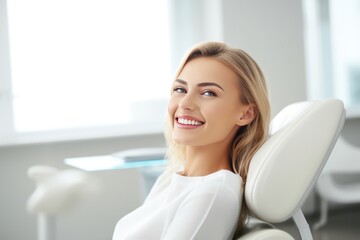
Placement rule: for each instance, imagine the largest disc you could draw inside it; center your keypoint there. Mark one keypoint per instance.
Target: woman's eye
(209, 93)
(179, 90)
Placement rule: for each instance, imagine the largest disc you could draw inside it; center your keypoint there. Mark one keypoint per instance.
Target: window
(77, 68)
(333, 51)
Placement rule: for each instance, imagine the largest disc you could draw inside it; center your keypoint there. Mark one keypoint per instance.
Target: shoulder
(224, 181)
(163, 181)
(221, 188)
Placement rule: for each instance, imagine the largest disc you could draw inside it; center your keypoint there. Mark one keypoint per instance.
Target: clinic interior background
(273, 32)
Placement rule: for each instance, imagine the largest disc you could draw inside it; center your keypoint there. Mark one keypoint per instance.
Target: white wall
(272, 33)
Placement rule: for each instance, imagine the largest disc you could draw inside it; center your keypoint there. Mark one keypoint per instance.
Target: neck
(204, 160)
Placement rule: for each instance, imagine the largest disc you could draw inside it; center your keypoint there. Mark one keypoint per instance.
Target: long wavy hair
(248, 138)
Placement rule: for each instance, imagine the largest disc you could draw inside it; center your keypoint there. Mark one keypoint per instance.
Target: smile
(189, 122)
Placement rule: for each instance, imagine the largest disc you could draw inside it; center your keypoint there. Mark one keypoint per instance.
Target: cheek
(224, 125)
(224, 113)
(224, 119)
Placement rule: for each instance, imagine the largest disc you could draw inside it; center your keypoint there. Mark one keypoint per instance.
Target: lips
(189, 121)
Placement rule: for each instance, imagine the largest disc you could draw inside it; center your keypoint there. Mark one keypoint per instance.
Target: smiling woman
(218, 116)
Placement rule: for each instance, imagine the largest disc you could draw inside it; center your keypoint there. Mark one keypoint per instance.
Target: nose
(187, 103)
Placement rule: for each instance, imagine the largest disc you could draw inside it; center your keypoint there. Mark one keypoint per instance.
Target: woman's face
(205, 106)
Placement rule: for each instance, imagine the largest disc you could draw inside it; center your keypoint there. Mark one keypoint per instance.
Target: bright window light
(345, 37)
(88, 63)
(333, 51)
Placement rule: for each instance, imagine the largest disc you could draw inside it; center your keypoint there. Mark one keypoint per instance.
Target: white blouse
(185, 208)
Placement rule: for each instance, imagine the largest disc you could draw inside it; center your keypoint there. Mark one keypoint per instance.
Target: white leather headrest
(284, 169)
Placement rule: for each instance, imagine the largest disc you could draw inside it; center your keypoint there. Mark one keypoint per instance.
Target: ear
(248, 115)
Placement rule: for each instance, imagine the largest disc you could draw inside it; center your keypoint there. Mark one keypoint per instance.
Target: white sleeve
(207, 213)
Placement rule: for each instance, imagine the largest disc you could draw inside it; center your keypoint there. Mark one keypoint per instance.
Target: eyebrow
(203, 84)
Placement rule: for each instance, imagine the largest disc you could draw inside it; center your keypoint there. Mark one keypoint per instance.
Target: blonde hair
(253, 89)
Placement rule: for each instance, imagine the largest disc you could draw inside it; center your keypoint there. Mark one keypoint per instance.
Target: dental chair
(284, 170)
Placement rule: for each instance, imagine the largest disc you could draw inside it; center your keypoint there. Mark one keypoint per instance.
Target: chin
(188, 142)
(183, 140)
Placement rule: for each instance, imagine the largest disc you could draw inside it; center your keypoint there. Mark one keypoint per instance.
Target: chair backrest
(285, 168)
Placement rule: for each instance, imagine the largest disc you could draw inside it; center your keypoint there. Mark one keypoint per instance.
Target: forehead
(208, 69)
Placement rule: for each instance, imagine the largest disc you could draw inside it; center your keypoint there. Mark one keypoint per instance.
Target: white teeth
(189, 122)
